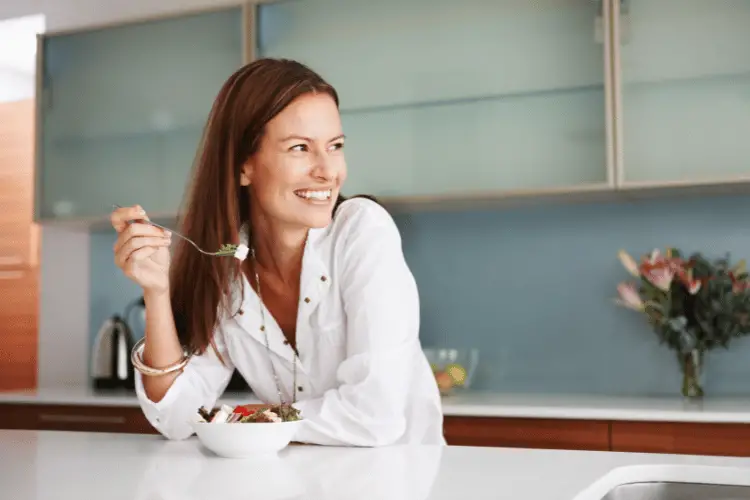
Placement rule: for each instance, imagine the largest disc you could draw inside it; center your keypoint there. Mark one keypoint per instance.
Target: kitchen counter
(83, 466)
(477, 404)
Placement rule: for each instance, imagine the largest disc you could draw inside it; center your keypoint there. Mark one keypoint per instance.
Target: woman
(324, 312)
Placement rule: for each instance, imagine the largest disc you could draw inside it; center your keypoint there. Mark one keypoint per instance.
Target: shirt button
(240, 312)
(323, 278)
(300, 389)
(307, 300)
(286, 342)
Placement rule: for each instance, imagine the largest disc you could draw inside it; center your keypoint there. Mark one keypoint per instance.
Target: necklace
(265, 333)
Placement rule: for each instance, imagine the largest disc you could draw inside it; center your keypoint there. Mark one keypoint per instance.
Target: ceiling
(18, 43)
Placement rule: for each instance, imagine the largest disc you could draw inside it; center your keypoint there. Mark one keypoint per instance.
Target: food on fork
(237, 251)
(243, 414)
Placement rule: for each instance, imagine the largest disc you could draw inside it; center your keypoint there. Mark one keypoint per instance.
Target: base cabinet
(561, 434)
(121, 419)
(681, 438)
(527, 433)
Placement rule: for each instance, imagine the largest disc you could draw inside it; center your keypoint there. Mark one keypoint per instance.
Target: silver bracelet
(136, 357)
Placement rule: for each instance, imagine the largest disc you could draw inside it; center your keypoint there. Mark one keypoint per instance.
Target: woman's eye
(338, 146)
(302, 147)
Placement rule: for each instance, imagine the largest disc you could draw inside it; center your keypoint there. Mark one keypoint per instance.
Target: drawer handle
(81, 419)
(11, 275)
(10, 261)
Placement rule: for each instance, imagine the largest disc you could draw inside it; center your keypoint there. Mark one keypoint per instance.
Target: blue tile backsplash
(532, 288)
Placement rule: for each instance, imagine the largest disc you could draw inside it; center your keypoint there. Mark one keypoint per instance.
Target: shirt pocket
(329, 324)
(331, 333)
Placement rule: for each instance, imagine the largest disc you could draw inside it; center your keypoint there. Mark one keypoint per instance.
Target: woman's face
(297, 172)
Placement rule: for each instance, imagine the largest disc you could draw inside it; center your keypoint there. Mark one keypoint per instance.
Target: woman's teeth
(314, 195)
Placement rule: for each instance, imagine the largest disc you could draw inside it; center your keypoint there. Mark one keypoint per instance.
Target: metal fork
(225, 250)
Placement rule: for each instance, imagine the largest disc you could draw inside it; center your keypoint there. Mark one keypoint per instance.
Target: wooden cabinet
(446, 99)
(527, 433)
(19, 248)
(125, 419)
(682, 91)
(682, 438)
(123, 109)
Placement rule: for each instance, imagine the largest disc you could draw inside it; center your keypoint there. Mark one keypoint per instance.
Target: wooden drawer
(682, 438)
(527, 433)
(19, 291)
(128, 420)
(17, 250)
(19, 328)
(17, 137)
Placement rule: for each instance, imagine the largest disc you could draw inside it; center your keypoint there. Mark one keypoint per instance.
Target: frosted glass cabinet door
(123, 109)
(685, 68)
(446, 97)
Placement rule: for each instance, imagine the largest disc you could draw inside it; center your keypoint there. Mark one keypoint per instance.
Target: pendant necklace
(265, 333)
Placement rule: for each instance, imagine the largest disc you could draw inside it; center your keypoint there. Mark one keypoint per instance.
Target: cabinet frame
(248, 8)
(646, 189)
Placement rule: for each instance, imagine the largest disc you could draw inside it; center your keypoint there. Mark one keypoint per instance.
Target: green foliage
(711, 317)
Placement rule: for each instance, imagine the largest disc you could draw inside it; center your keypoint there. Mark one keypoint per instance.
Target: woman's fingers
(128, 249)
(137, 230)
(135, 257)
(121, 217)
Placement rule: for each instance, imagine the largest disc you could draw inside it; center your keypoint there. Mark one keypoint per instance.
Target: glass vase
(692, 365)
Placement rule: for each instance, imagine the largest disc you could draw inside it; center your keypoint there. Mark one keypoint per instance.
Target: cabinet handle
(11, 275)
(11, 260)
(81, 419)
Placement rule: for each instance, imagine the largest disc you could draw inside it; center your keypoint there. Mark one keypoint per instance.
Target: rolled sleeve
(201, 383)
(369, 407)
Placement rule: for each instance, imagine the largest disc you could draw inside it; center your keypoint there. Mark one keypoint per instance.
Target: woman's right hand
(141, 250)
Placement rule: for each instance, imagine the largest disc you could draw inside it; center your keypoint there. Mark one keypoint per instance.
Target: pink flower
(660, 271)
(660, 277)
(628, 263)
(629, 297)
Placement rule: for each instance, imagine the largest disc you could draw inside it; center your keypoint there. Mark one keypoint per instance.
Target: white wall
(64, 315)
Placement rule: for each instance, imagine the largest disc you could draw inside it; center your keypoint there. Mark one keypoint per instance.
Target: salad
(244, 414)
(237, 251)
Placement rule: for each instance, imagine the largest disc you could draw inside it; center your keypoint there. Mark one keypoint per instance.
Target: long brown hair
(218, 205)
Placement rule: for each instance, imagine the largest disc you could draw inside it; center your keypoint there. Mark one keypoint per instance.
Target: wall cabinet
(123, 109)
(683, 91)
(443, 99)
(440, 100)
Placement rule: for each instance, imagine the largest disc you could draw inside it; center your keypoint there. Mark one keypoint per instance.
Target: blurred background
(518, 144)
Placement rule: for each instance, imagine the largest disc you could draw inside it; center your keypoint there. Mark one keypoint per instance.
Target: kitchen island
(43, 465)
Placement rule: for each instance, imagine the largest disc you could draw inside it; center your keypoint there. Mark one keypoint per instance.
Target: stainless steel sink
(677, 491)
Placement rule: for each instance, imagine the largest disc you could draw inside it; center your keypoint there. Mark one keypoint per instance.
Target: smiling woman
(324, 315)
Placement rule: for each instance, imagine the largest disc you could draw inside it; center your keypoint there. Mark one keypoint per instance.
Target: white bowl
(246, 440)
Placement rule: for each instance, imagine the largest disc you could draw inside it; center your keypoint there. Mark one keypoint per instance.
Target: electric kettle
(111, 367)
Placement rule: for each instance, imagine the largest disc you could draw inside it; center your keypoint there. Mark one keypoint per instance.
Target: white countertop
(477, 404)
(91, 466)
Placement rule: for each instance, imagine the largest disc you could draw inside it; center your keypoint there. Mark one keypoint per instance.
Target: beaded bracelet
(136, 357)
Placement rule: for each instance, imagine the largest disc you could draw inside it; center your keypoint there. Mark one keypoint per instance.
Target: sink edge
(674, 473)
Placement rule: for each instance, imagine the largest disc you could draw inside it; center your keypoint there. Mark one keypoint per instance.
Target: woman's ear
(246, 174)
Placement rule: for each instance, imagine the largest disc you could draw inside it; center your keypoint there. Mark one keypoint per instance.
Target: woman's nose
(324, 168)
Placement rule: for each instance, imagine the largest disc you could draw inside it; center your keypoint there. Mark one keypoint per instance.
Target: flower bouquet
(693, 305)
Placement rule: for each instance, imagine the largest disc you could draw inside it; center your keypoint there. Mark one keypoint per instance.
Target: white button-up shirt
(362, 377)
